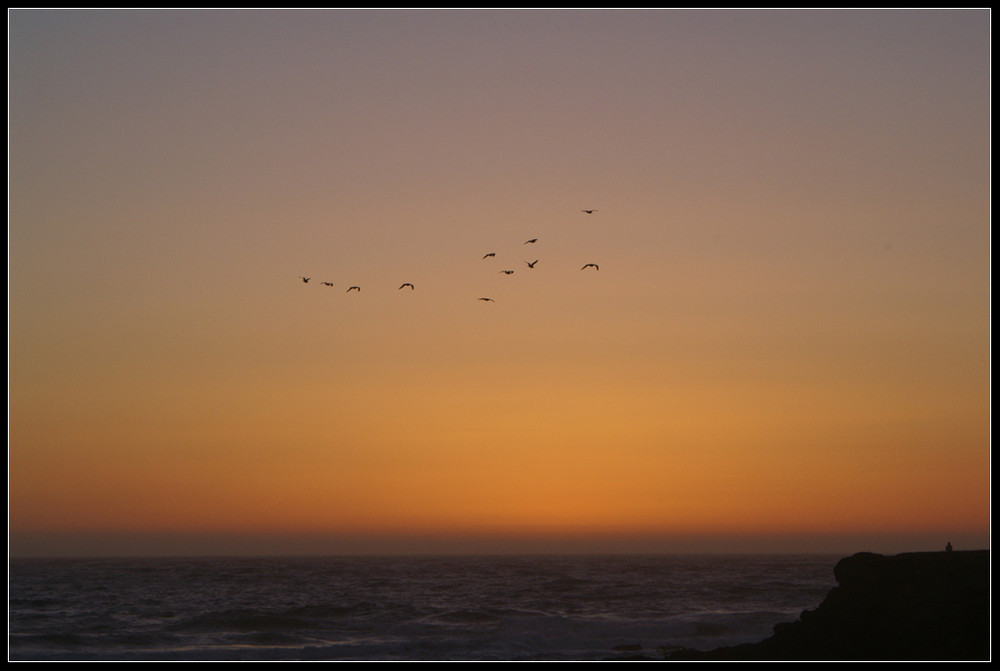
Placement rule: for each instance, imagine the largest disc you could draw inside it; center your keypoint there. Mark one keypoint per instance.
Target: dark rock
(906, 607)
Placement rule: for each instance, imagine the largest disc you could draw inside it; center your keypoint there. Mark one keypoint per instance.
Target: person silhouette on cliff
(947, 548)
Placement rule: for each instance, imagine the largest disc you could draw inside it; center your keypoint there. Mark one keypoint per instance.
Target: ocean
(382, 608)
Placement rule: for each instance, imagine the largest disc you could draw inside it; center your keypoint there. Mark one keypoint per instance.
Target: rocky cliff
(913, 606)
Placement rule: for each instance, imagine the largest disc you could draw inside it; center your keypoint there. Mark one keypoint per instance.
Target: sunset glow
(788, 334)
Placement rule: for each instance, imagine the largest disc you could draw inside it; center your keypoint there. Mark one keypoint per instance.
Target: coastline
(918, 606)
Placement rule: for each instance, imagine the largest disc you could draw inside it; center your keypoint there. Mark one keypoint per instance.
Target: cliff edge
(911, 606)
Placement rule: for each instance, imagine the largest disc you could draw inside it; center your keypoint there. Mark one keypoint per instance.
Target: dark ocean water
(403, 608)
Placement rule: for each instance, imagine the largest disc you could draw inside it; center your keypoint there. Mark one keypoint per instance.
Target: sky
(784, 345)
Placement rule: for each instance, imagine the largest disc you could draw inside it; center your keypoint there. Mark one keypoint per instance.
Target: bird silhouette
(531, 264)
(489, 255)
(406, 284)
(588, 211)
(507, 272)
(488, 299)
(531, 242)
(306, 279)
(352, 288)
(591, 265)
(329, 284)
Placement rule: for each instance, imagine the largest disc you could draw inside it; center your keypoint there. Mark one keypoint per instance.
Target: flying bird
(406, 284)
(588, 211)
(352, 288)
(306, 279)
(507, 272)
(489, 255)
(531, 242)
(329, 284)
(591, 265)
(488, 299)
(531, 264)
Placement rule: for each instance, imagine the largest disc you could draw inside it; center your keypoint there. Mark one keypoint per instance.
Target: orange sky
(788, 335)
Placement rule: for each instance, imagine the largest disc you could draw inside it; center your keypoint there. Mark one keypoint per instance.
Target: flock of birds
(488, 255)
